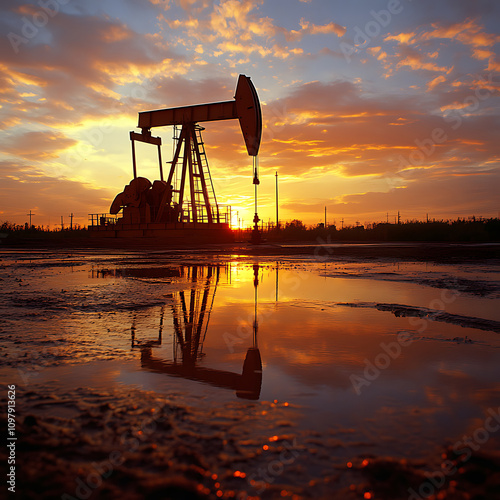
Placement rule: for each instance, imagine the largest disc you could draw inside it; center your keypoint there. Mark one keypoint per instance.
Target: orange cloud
(415, 61)
(24, 186)
(235, 28)
(243, 48)
(333, 132)
(314, 29)
(455, 105)
(117, 33)
(494, 65)
(482, 54)
(38, 145)
(377, 52)
(435, 82)
(467, 32)
(402, 38)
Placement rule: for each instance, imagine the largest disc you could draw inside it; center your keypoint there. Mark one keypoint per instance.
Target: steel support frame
(188, 145)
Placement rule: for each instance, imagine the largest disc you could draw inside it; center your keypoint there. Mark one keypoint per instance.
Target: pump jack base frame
(170, 233)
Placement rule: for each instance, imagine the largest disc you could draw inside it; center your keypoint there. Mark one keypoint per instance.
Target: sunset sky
(369, 107)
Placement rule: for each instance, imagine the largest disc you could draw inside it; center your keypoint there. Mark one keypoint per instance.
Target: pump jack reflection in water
(191, 315)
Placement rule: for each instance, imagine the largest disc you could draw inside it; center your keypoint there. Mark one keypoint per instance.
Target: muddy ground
(107, 441)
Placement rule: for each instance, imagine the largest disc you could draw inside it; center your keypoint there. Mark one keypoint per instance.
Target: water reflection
(318, 329)
(190, 319)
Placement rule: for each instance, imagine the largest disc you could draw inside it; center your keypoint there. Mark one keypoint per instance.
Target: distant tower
(30, 215)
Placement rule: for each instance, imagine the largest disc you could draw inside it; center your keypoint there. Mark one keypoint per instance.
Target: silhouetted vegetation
(464, 230)
(17, 233)
(460, 230)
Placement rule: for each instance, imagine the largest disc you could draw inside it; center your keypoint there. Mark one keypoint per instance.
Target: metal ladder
(203, 175)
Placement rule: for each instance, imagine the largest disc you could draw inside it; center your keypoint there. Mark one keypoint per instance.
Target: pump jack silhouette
(191, 315)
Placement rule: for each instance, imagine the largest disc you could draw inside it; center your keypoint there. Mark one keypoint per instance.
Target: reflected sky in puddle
(288, 332)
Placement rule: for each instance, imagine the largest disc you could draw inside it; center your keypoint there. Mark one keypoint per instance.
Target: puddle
(348, 359)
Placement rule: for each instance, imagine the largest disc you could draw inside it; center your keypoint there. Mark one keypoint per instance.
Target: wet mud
(339, 408)
(400, 310)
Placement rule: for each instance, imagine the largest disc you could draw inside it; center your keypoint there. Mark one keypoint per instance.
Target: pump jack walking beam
(245, 107)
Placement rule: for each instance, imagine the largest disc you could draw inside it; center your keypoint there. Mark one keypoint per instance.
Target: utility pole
(62, 223)
(325, 217)
(30, 215)
(277, 219)
(399, 218)
(387, 217)
(342, 221)
(71, 221)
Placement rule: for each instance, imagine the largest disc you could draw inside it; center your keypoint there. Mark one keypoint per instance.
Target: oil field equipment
(185, 200)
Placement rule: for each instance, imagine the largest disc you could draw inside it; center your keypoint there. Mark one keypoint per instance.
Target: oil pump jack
(191, 315)
(186, 199)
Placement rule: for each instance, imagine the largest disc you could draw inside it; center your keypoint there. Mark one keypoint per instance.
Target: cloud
(38, 145)
(468, 32)
(458, 195)
(72, 69)
(402, 38)
(449, 194)
(182, 91)
(234, 27)
(314, 29)
(435, 82)
(420, 48)
(87, 65)
(482, 53)
(24, 187)
(414, 59)
(336, 127)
